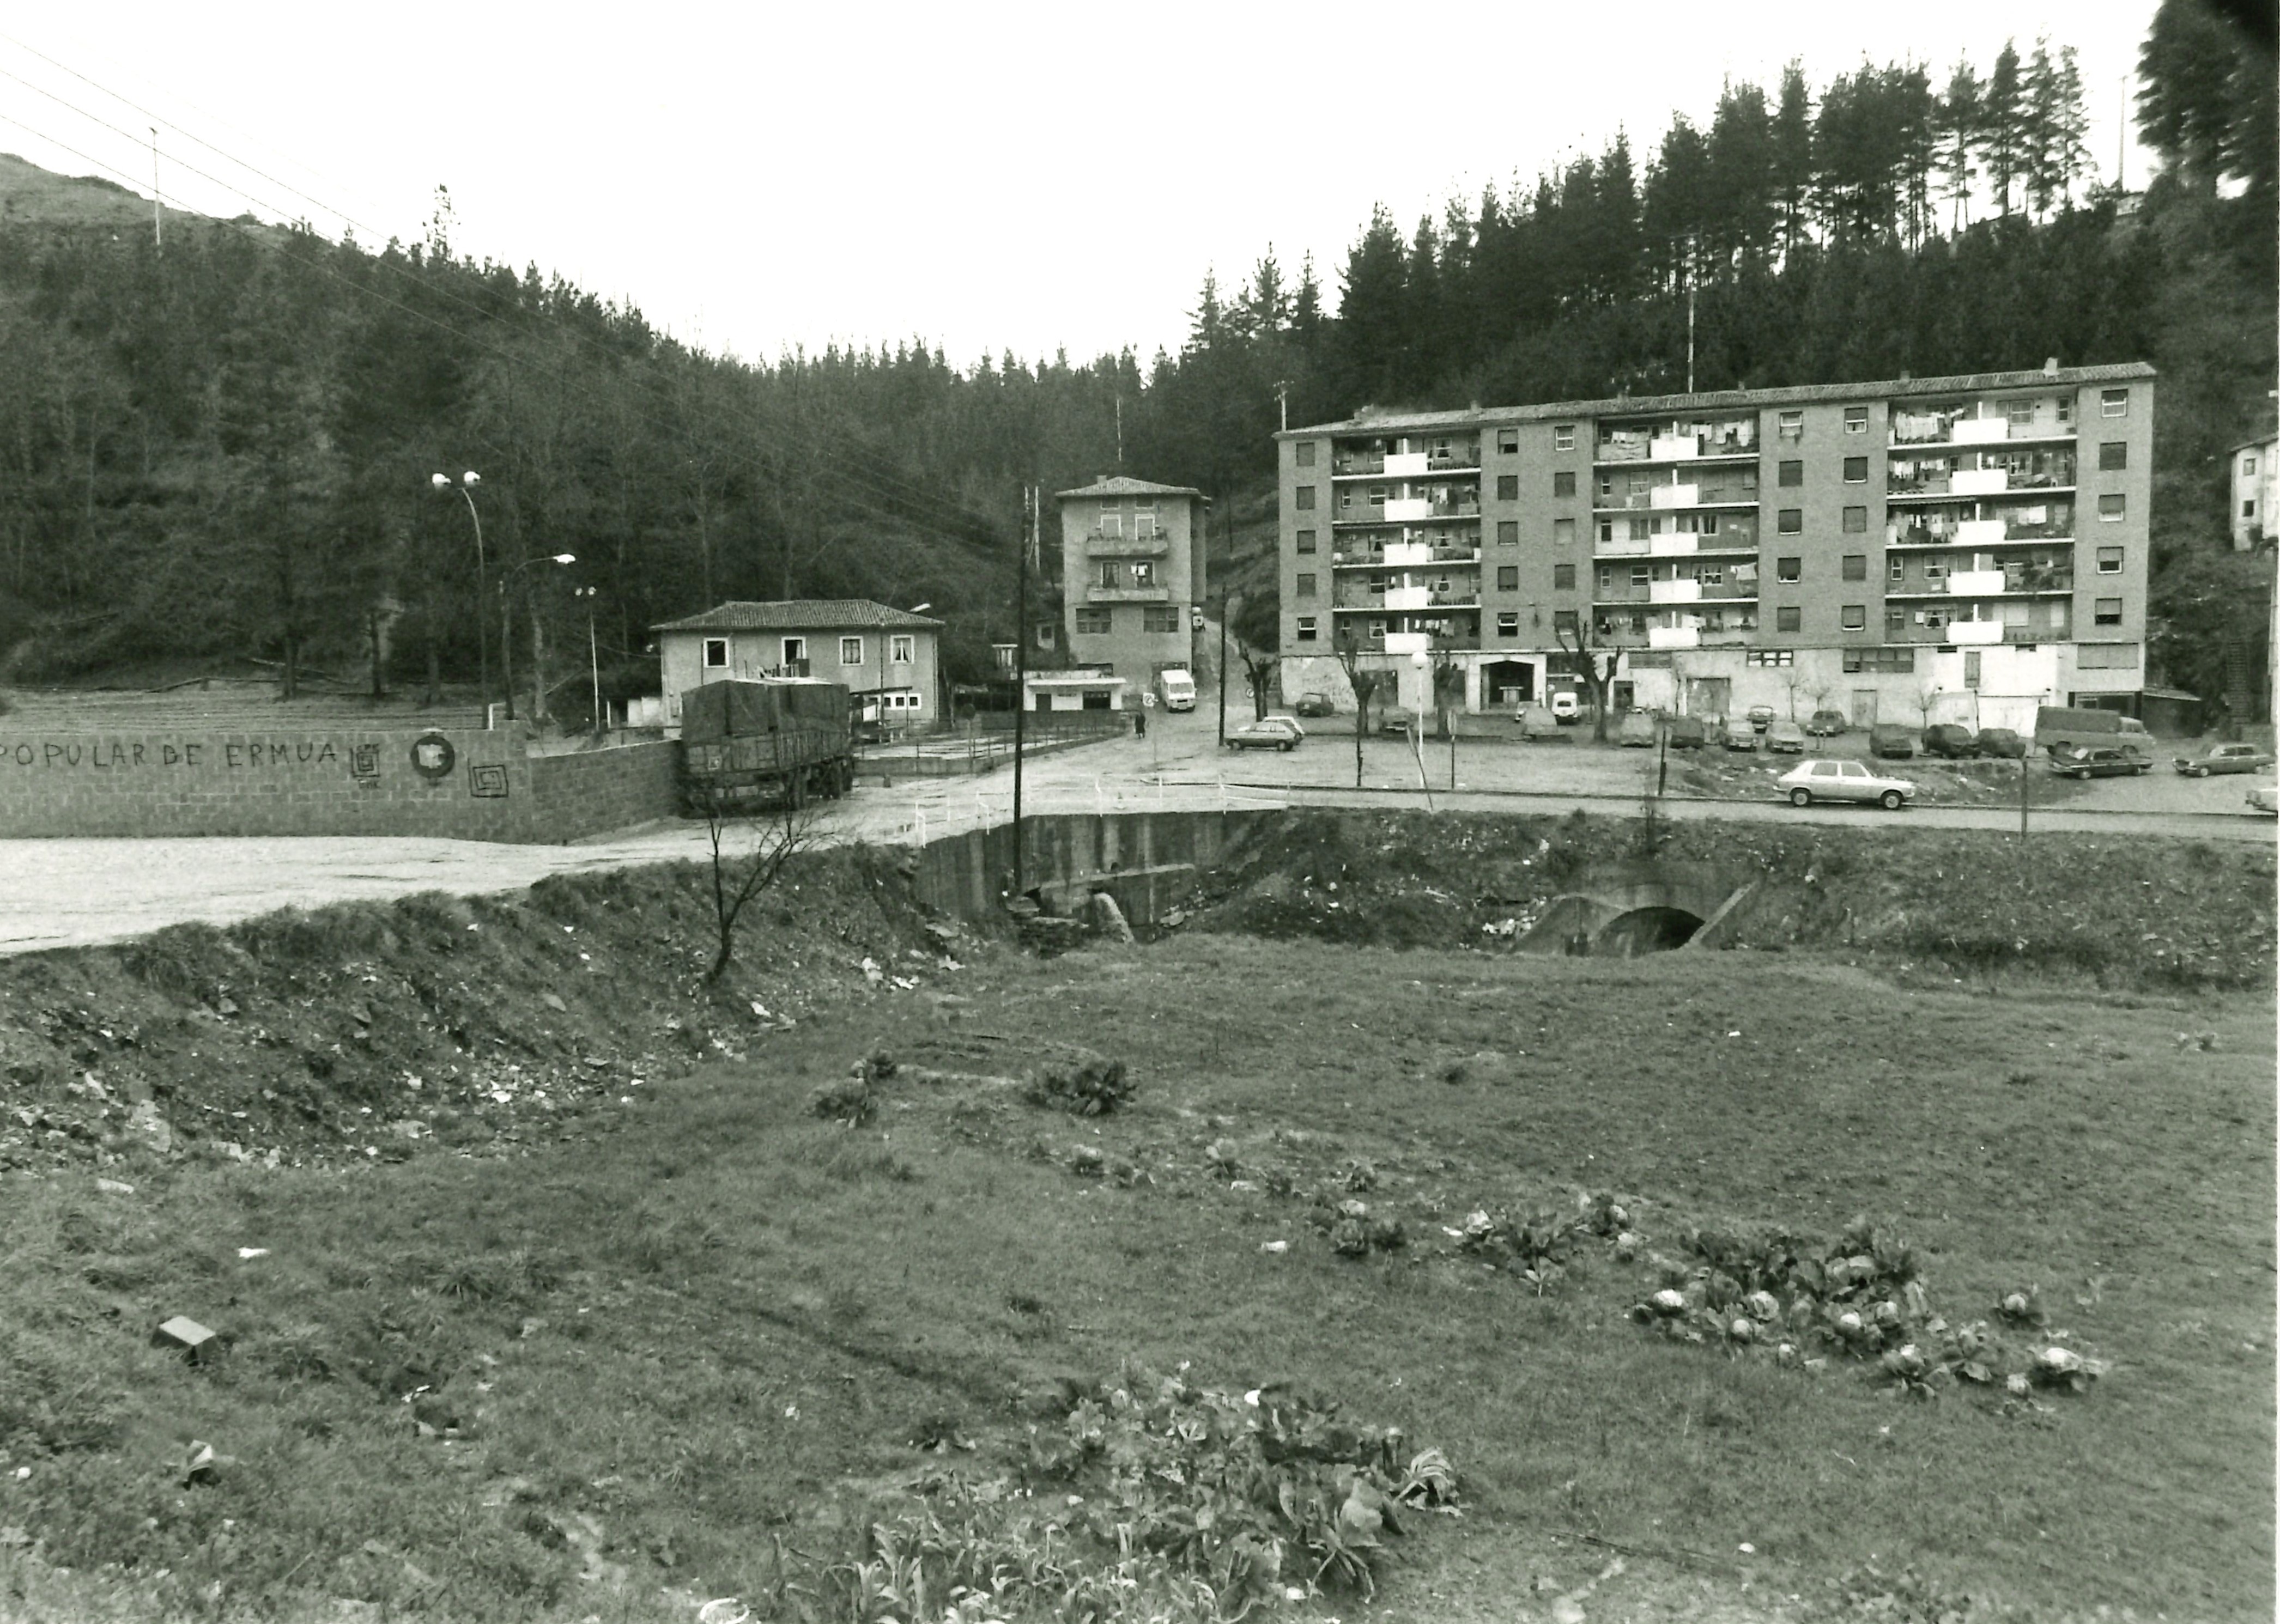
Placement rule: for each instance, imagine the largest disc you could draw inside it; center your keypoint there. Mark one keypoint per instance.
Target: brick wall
(467, 784)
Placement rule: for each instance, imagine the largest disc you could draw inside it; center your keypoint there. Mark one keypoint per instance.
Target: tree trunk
(537, 664)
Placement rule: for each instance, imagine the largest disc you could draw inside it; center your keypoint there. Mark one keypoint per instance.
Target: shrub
(1092, 1086)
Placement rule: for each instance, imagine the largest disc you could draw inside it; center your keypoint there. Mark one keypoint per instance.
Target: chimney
(1903, 374)
(2051, 368)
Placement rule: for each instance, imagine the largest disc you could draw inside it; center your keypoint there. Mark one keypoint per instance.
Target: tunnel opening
(1645, 930)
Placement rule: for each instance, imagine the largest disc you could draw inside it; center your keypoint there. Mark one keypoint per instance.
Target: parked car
(2264, 798)
(1288, 720)
(1739, 733)
(1536, 722)
(1396, 719)
(1890, 739)
(1312, 704)
(1826, 724)
(1843, 780)
(1637, 729)
(1275, 733)
(1685, 732)
(1784, 738)
(1567, 705)
(2102, 761)
(2225, 758)
(2002, 744)
(1761, 717)
(1952, 740)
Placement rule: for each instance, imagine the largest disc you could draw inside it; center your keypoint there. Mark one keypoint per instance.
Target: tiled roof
(1649, 405)
(797, 614)
(1123, 485)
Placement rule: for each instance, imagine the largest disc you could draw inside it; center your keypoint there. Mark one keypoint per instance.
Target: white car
(1283, 718)
(1844, 780)
(2264, 798)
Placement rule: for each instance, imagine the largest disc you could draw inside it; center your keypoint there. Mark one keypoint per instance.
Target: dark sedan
(2074, 761)
(2225, 758)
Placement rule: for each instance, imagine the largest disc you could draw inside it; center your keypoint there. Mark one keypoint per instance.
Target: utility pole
(1120, 431)
(1689, 316)
(1223, 664)
(1021, 656)
(157, 209)
(1283, 400)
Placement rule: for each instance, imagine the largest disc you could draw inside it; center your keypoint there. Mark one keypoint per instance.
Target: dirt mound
(482, 1023)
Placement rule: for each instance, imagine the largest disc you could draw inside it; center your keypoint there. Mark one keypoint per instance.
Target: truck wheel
(1800, 798)
(1889, 800)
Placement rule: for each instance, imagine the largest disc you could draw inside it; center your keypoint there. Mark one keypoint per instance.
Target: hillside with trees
(223, 451)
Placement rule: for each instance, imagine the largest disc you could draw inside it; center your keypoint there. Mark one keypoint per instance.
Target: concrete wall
(458, 784)
(1147, 861)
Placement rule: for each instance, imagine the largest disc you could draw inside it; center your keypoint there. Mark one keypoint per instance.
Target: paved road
(56, 893)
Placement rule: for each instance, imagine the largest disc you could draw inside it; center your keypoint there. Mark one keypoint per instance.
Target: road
(61, 893)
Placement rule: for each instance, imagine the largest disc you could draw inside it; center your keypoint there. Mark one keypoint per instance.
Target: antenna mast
(158, 208)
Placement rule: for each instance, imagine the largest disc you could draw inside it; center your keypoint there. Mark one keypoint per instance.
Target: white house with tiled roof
(889, 658)
(1132, 576)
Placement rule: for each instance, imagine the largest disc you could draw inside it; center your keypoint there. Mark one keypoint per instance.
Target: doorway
(1864, 707)
(1509, 682)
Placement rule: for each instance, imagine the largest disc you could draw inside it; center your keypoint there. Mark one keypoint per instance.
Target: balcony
(1686, 590)
(1979, 481)
(1912, 430)
(1975, 633)
(1099, 545)
(1403, 555)
(1679, 440)
(1357, 465)
(1404, 465)
(1675, 495)
(1411, 509)
(1673, 636)
(1692, 493)
(1128, 594)
(1975, 583)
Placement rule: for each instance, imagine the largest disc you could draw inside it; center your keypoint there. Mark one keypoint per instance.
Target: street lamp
(506, 620)
(465, 486)
(593, 654)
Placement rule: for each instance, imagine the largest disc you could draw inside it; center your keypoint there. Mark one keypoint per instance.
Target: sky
(989, 178)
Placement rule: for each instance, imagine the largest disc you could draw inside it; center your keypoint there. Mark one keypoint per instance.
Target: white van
(1567, 705)
(1177, 689)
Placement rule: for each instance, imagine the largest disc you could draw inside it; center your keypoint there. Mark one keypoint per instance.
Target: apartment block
(2256, 484)
(1936, 548)
(1132, 576)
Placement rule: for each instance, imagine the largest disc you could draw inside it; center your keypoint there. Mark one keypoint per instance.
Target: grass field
(691, 1352)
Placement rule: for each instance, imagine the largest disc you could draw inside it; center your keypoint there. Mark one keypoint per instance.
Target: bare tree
(1364, 683)
(1595, 666)
(1448, 689)
(779, 834)
(1256, 630)
(1927, 698)
(1793, 680)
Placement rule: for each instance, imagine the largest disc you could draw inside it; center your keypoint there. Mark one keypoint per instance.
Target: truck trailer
(780, 741)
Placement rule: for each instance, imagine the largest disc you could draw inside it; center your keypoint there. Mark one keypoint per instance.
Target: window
(1641, 574)
(1563, 532)
(2114, 457)
(1303, 498)
(1563, 578)
(1166, 617)
(1789, 569)
(1770, 658)
(1305, 541)
(716, 653)
(2019, 413)
(1792, 426)
(1374, 631)
(1507, 622)
(1856, 566)
(2248, 507)
(2066, 408)
(1143, 526)
(1111, 574)
(1563, 437)
(1093, 622)
(903, 650)
(1377, 496)
(1143, 572)
(2106, 611)
(850, 650)
(1508, 532)
(1563, 484)
(2113, 403)
(1306, 587)
(1606, 578)
(794, 651)
(1045, 630)
(1879, 659)
(1790, 521)
(2106, 657)
(1856, 521)
(1508, 578)
(1564, 621)
(1896, 619)
(2247, 462)
(2112, 507)
(1306, 628)
(2109, 560)
(1111, 521)
(1787, 618)
(1508, 441)
(1856, 420)
(1508, 487)
(1898, 572)
(1304, 453)
(1853, 618)
(1790, 472)
(1856, 471)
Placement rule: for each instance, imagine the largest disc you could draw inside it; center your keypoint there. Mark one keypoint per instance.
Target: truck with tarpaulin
(780, 741)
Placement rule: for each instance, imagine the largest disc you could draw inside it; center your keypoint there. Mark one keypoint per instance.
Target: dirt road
(57, 893)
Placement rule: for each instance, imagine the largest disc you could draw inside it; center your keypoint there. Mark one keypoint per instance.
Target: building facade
(2255, 484)
(1930, 549)
(1132, 576)
(888, 658)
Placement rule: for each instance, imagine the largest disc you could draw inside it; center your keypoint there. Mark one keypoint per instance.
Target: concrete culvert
(1625, 909)
(1645, 930)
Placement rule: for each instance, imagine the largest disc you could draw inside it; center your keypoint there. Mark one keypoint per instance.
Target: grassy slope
(717, 1323)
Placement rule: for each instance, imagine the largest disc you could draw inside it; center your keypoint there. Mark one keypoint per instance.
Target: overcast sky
(990, 177)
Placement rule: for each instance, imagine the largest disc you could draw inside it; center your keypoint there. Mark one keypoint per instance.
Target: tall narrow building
(1927, 549)
(1132, 576)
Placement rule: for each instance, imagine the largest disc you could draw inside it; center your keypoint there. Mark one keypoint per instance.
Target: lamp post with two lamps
(593, 654)
(465, 486)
